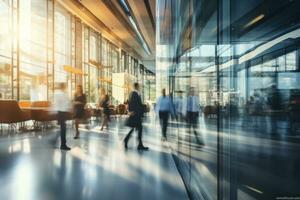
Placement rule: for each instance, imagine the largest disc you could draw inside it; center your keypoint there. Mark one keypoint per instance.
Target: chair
(11, 113)
(112, 109)
(24, 104)
(43, 104)
(121, 109)
(43, 115)
(210, 111)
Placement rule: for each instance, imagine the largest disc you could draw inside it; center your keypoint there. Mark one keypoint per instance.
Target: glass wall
(6, 38)
(43, 44)
(33, 50)
(62, 46)
(115, 59)
(234, 65)
(123, 62)
(93, 69)
(149, 86)
(85, 56)
(105, 64)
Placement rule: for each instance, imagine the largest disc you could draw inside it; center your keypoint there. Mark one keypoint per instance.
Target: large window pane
(62, 46)
(5, 49)
(242, 57)
(33, 50)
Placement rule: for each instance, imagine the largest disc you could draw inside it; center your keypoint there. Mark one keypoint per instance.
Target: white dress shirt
(179, 102)
(191, 104)
(61, 102)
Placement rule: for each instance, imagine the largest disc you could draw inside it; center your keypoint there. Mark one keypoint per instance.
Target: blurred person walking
(62, 105)
(79, 104)
(134, 121)
(104, 105)
(191, 112)
(164, 108)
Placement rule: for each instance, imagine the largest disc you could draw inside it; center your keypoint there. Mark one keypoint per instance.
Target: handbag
(130, 122)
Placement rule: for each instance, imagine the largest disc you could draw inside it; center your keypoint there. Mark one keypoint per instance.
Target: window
(33, 50)
(62, 46)
(115, 59)
(5, 50)
(291, 61)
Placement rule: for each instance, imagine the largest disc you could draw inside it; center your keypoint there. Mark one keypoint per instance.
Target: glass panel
(93, 70)
(115, 60)
(93, 48)
(5, 78)
(93, 85)
(6, 29)
(123, 61)
(85, 54)
(104, 59)
(5, 50)
(62, 46)
(241, 60)
(260, 122)
(291, 61)
(281, 63)
(33, 50)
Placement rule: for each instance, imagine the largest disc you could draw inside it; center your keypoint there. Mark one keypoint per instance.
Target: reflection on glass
(246, 72)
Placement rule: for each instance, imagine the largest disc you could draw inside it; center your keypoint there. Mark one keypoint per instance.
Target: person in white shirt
(164, 108)
(191, 112)
(62, 105)
(178, 103)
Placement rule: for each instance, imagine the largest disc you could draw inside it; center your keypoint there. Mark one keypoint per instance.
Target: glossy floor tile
(97, 167)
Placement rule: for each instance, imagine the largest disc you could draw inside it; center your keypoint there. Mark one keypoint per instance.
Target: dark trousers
(164, 117)
(192, 120)
(61, 118)
(139, 128)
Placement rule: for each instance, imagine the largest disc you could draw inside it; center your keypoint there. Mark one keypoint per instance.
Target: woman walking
(79, 104)
(104, 105)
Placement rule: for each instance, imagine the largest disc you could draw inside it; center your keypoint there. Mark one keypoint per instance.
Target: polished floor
(97, 167)
(258, 163)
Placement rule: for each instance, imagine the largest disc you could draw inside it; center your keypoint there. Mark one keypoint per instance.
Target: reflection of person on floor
(192, 113)
(164, 108)
(136, 112)
(104, 105)
(62, 106)
(79, 104)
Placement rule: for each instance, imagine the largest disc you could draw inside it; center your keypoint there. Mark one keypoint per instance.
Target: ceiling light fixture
(125, 8)
(255, 20)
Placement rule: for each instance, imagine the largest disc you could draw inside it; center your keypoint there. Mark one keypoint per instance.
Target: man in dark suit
(136, 111)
